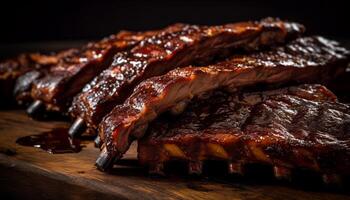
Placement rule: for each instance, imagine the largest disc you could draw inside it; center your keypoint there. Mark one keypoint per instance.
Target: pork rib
(12, 69)
(310, 59)
(68, 77)
(296, 127)
(43, 63)
(166, 51)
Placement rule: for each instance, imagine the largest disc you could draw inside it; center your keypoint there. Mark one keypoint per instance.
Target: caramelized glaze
(297, 127)
(165, 51)
(309, 59)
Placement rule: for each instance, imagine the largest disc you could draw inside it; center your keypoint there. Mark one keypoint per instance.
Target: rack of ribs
(166, 51)
(12, 69)
(304, 60)
(55, 90)
(296, 127)
(23, 85)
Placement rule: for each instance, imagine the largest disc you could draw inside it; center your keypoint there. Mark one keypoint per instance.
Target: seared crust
(296, 127)
(23, 86)
(57, 88)
(12, 69)
(168, 50)
(310, 59)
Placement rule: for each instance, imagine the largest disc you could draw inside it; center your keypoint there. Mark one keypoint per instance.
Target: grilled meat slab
(296, 127)
(23, 85)
(68, 77)
(166, 51)
(309, 59)
(11, 69)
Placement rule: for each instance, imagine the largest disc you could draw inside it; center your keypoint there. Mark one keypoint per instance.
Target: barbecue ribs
(166, 51)
(56, 89)
(296, 127)
(43, 63)
(309, 59)
(11, 69)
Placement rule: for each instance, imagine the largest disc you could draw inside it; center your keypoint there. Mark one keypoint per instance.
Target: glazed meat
(166, 51)
(67, 78)
(43, 63)
(297, 127)
(11, 69)
(309, 59)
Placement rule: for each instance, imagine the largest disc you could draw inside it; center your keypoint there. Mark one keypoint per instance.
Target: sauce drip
(56, 141)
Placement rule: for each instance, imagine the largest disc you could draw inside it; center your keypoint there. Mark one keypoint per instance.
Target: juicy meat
(166, 51)
(68, 77)
(43, 63)
(309, 59)
(296, 127)
(11, 69)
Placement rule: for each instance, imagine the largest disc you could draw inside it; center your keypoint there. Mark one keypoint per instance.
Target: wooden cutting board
(32, 171)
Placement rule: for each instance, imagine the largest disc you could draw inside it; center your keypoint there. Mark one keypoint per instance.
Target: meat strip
(11, 69)
(23, 85)
(297, 127)
(57, 88)
(305, 60)
(166, 51)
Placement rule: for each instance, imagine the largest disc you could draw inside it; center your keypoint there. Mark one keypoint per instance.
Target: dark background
(51, 25)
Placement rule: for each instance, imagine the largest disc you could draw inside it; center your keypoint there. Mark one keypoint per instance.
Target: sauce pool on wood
(55, 141)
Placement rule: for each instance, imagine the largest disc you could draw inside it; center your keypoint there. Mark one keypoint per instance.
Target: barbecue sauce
(56, 141)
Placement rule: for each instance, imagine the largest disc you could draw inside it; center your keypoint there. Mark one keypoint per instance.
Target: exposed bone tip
(235, 168)
(98, 142)
(35, 108)
(77, 128)
(282, 173)
(331, 179)
(195, 167)
(105, 161)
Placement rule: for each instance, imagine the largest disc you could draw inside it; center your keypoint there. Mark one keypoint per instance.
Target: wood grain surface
(128, 179)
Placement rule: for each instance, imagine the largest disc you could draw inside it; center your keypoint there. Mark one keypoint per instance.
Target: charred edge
(105, 161)
(98, 142)
(77, 128)
(36, 108)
